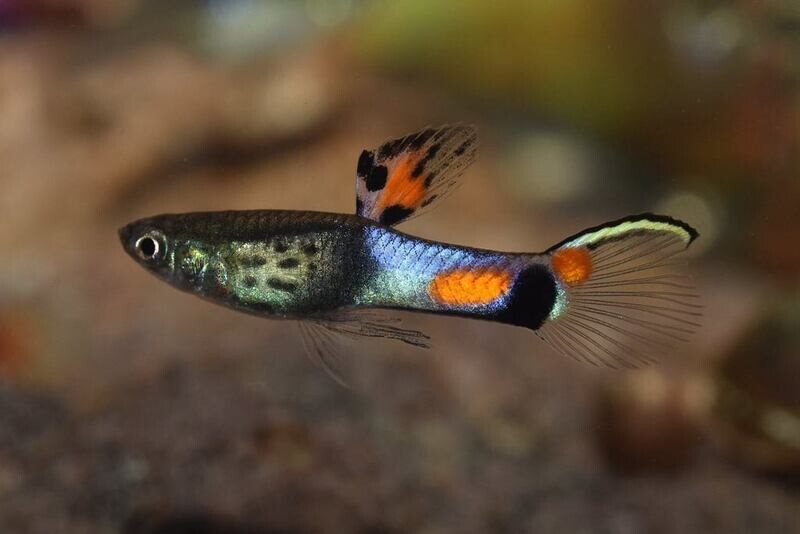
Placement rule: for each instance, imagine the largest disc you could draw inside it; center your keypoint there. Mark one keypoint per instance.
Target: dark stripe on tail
(693, 234)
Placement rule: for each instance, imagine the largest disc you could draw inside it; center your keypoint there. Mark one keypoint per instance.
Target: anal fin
(322, 344)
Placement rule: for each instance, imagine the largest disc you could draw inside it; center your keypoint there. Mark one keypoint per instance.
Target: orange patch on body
(470, 286)
(401, 187)
(573, 265)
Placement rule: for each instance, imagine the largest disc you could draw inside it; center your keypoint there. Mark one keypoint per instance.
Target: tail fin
(622, 299)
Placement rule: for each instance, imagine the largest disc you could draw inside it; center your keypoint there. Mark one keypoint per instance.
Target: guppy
(613, 294)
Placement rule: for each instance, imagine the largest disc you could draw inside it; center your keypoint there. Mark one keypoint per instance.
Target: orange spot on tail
(470, 286)
(573, 265)
(402, 188)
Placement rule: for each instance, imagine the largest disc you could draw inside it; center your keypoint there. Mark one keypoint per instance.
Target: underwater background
(126, 406)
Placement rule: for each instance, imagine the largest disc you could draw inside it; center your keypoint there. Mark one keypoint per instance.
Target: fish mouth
(125, 235)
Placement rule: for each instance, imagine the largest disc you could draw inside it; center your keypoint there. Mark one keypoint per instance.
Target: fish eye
(149, 246)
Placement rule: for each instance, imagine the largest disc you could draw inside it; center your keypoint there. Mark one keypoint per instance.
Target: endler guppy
(608, 294)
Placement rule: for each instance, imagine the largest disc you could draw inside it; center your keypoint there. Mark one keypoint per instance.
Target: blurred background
(126, 406)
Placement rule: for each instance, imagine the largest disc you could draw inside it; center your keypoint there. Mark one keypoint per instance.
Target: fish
(616, 294)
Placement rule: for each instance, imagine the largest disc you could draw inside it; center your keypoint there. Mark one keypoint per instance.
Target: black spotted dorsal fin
(403, 176)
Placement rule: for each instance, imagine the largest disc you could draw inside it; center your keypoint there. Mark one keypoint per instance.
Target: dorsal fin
(403, 176)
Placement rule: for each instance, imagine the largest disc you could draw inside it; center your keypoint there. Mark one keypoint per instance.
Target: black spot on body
(359, 206)
(532, 298)
(377, 178)
(364, 164)
(282, 285)
(253, 261)
(289, 263)
(310, 249)
(394, 214)
(312, 267)
(280, 246)
(462, 148)
(250, 281)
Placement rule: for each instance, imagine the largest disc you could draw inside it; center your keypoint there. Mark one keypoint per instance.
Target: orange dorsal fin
(404, 176)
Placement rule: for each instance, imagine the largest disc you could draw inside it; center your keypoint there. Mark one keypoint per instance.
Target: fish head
(171, 249)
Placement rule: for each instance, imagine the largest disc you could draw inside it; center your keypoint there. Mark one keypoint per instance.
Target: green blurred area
(126, 406)
(568, 60)
(667, 78)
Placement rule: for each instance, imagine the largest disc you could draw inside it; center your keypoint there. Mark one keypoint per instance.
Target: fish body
(300, 264)
(605, 295)
(283, 264)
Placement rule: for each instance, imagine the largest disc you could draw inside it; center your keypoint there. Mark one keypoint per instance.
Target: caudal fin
(622, 296)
